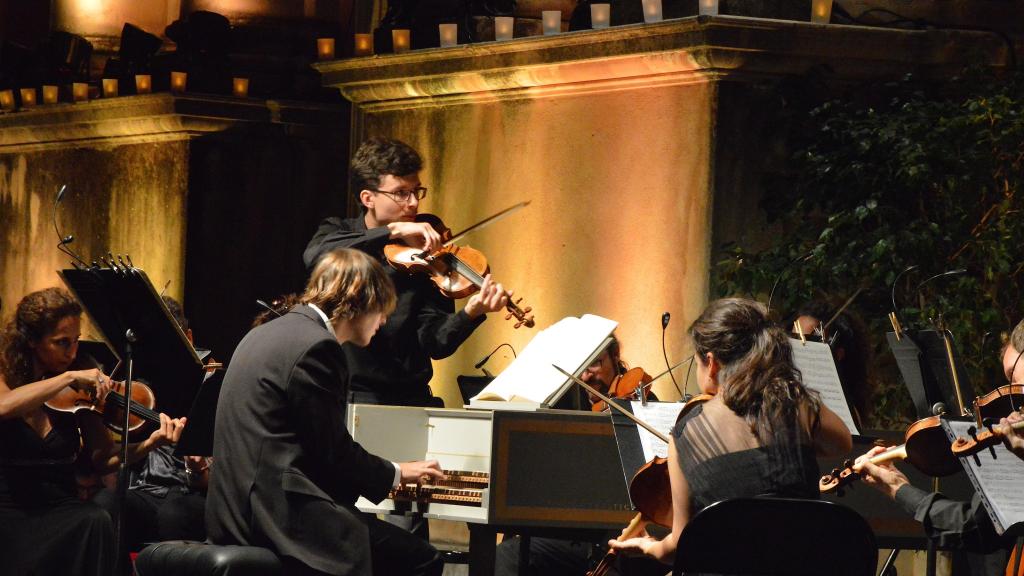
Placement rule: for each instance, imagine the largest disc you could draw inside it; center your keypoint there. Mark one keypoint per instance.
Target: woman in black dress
(44, 528)
(757, 435)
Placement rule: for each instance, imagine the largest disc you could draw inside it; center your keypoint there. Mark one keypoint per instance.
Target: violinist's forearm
(24, 399)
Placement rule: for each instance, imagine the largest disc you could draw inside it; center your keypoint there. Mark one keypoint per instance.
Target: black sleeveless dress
(44, 528)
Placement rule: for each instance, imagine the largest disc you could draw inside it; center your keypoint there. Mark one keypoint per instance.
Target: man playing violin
(955, 524)
(396, 367)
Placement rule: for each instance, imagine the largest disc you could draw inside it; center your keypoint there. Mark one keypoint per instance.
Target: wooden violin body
(650, 490)
(994, 405)
(625, 386)
(457, 271)
(925, 446)
(111, 406)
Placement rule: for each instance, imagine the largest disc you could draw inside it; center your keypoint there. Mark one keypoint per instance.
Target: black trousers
(150, 518)
(393, 552)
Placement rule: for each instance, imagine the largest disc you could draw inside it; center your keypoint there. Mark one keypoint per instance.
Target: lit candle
(600, 15)
(400, 40)
(708, 7)
(325, 48)
(7, 99)
(50, 94)
(364, 45)
(28, 96)
(552, 20)
(178, 81)
(503, 27)
(652, 11)
(80, 91)
(240, 87)
(449, 34)
(109, 87)
(821, 11)
(143, 83)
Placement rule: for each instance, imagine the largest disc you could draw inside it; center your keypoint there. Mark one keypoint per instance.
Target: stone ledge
(693, 49)
(152, 118)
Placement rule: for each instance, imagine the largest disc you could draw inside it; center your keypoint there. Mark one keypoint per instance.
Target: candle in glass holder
(240, 87)
(449, 34)
(821, 11)
(552, 21)
(652, 11)
(364, 45)
(28, 96)
(80, 91)
(143, 83)
(600, 15)
(400, 40)
(178, 81)
(109, 87)
(325, 48)
(707, 7)
(503, 27)
(7, 99)
(50, 94)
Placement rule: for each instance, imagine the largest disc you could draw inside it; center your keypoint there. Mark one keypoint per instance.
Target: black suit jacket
(288, 472)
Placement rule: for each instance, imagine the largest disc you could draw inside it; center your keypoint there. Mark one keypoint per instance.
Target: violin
(925, 446)
(650, 490)
(996, 404)
(624, 386)
(110, 406)
(457, 271)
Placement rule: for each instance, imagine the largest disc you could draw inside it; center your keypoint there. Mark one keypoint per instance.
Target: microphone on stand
(479, 365)
(63, 241)
(664, 351)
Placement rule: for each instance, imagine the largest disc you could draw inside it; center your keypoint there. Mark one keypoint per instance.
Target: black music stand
(197, 437)
(124, 307)
(923, 363)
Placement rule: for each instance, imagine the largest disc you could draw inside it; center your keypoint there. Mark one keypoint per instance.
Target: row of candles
(80, 90)
(551, 20)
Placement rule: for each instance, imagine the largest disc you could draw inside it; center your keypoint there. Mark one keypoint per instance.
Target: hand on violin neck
(169, 432)
(492, 297)
(416, 234)
(1013, 438)
(885, 478)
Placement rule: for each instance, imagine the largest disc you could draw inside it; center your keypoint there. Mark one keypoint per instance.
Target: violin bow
(611, 403)
(487, 221)
(666, 371)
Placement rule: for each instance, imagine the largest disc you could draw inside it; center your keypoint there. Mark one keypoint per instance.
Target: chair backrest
(775, 537)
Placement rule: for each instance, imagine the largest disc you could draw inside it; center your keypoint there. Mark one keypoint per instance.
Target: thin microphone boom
(664, 352)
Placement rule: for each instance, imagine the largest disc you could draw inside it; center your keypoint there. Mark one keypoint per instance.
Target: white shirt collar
(327, 322)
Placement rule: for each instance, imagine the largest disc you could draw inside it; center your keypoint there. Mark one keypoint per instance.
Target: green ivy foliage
(897, 175)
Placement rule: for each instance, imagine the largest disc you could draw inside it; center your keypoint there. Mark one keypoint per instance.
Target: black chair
(776, 537)
(184, 558)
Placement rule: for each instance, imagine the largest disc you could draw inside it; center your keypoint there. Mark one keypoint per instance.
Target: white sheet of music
(662, 417)
(531, 377)
(997, 479)
(814, 359)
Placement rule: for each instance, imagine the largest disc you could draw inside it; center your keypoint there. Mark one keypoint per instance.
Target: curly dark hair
(36, 316)
(377, 157)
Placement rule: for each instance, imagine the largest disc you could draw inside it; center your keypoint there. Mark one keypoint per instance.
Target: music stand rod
(122, 473)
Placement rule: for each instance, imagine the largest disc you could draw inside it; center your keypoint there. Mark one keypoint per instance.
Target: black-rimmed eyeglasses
(405, 196)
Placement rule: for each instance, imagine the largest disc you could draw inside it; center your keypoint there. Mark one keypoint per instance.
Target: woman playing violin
(396, 367)
(760, 432)
(44, 528)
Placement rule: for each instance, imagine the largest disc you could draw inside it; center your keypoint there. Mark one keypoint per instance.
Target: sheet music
(998, 479)
(531, 377)
(662, 417)
(814, 359)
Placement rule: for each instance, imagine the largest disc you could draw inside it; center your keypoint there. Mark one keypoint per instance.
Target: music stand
(924, 364)
(131, 316)
(197, 437)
